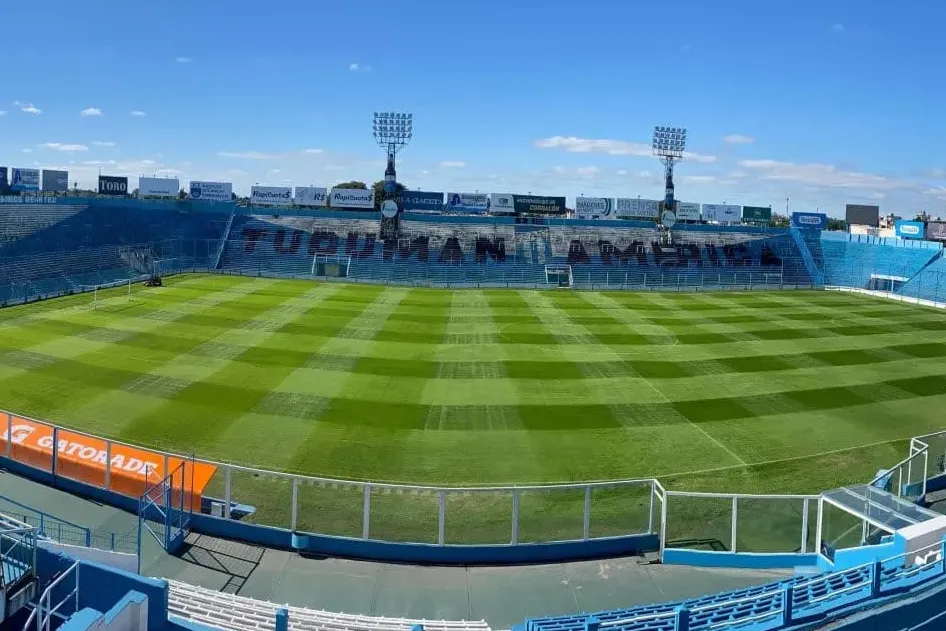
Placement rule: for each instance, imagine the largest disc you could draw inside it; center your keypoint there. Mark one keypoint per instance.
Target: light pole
(392, 131)
(668, 145)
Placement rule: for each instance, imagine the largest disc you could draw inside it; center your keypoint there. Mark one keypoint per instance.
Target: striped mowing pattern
(742, 392)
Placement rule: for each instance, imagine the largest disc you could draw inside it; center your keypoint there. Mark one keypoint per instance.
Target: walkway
(503, 596)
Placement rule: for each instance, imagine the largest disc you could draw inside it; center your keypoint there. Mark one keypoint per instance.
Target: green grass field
(790, 392)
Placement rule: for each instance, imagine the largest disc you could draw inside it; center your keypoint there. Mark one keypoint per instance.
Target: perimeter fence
(496, 515)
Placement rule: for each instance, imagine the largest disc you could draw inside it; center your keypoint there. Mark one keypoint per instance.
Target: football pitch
(779, 392)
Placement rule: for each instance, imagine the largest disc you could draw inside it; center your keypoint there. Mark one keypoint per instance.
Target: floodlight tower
(392, 131)
(669, 145)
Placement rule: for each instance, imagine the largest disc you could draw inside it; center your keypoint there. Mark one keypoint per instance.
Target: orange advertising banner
(132, 470)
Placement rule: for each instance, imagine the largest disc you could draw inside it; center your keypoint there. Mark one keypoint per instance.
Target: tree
(836, 224)
(352, 184)
(182, 195)
(379, 192)
(134, 193)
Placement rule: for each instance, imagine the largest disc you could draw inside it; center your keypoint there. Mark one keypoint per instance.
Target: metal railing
(779, 605)
(44, 611)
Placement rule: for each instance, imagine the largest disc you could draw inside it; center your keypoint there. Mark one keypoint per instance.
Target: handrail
(43, 619)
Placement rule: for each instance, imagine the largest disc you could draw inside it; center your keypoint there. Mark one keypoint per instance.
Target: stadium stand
(236, 613)
(852, 260)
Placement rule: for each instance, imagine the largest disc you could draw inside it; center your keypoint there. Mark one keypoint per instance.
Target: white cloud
(313, 151)
(28, 108)
(103, 143)
(354, 67)
(183, 60)
(58, 146)
(452, 164)
(248, 155)
(837, 28)
(738, 139)
(91, 111)
(588, 171)
(138, 113)
(610, 147)
(821, 175)
(26, 150)
(3, 112)
(699, 179)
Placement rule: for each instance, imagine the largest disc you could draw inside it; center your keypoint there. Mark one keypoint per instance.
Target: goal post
(95, 303)
(558, 275)
(331, 265)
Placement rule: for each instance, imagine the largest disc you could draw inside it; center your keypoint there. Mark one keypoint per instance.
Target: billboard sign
(55, 181)
(756, 214)
(352, 198)
(862, 215)
(637, 208)
(594, 208)
(270, 195)
(4, 183)
(24, 180)
(468, 202)
(909, 229)
(722, 213)
(158, 187)
(501, 203)
(688, 211)
(211, 191)
(311, 196)
(811, 221)
(936, 230)
(112, 185)
(422, 201)
(537, 205)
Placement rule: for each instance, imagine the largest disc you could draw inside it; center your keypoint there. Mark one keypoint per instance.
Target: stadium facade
(65, 245)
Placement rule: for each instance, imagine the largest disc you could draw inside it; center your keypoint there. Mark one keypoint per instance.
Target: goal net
(331, 265)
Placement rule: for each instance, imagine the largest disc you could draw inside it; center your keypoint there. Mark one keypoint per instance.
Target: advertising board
(862, 215)
(467, 202)
(722, 213)
(55, 181)
(501, 203)
(756, 214)
(24, 180)
(311, 196)
(594, 208)
(688, 211)
(538, 205)
(158, 187)
(811, 221)
(909, 229)
(636, 208)
(936, 230)
(211, 191)
(270, 195)
(352, 198)
(422, 201)
(81, 457)
(113, 185)
(4, 182)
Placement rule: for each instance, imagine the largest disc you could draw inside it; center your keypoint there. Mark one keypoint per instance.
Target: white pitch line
(719, 444)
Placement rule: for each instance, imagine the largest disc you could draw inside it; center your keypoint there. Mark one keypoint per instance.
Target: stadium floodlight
(393, 130)
(669, 145)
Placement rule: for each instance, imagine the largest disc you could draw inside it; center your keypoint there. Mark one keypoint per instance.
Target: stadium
(464, 410)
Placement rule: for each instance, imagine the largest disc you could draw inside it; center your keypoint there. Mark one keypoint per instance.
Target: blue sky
(821, 102)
